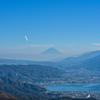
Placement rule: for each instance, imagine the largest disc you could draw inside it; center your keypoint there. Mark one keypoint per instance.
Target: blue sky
(70, 26)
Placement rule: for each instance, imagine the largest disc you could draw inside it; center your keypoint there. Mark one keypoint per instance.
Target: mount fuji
(51, 51)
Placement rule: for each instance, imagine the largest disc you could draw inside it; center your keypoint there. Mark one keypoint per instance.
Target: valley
(38, 74)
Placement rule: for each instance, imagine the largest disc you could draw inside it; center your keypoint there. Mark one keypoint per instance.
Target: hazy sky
(70, 26)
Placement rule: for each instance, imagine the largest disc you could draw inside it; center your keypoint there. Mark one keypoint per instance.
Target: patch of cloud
(15, 48)
(97, 44)
(62, 50)
(26, 46)
(32, 45)
(70, 45)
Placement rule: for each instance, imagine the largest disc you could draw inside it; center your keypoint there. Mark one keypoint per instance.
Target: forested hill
(22, 91)
(37, 71)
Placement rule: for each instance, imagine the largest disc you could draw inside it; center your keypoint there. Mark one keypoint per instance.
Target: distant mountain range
(51, 51)
(79, 59)
(89, 60)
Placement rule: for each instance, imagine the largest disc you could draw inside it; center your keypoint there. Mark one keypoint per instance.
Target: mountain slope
(23, 91)
(6, 96)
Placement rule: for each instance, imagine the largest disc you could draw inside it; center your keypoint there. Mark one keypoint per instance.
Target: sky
(70, 26)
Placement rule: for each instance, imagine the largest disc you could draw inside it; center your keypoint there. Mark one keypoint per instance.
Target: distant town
(72, 76)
